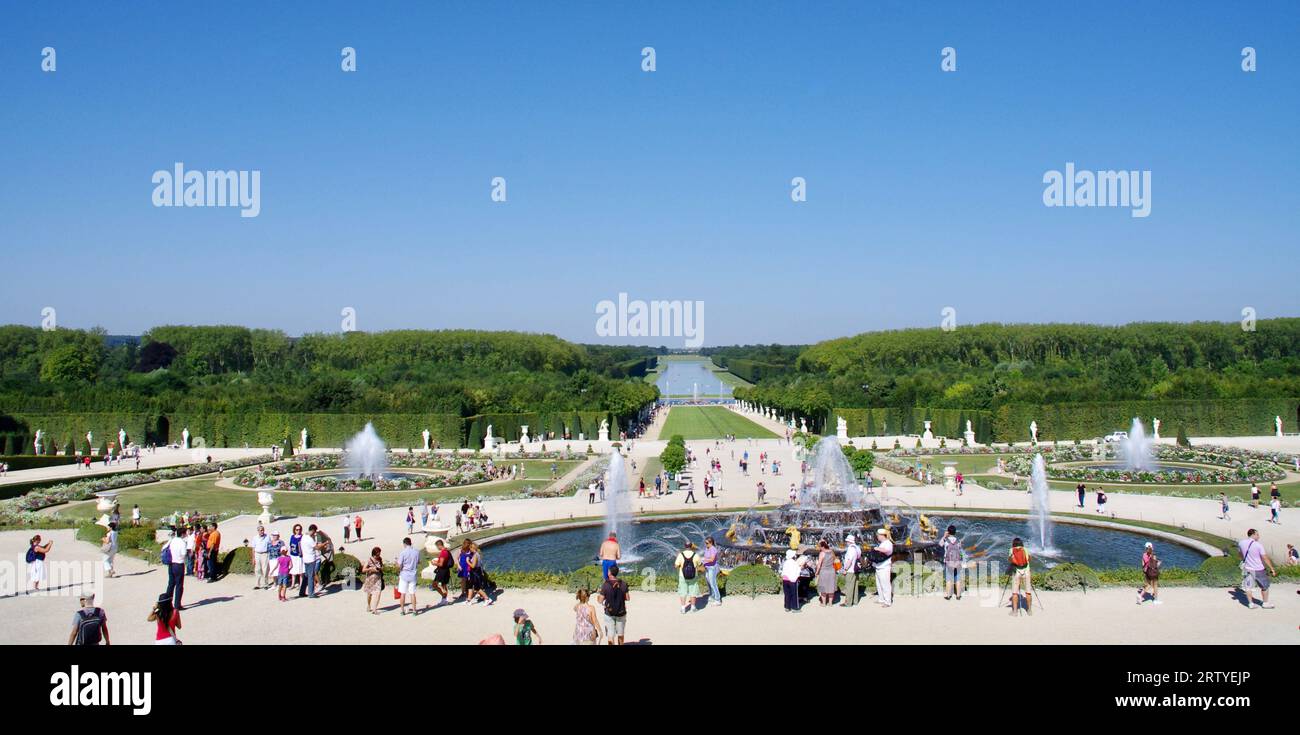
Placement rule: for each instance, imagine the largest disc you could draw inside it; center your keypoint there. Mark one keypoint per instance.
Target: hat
(275, 533)
(882, 532)
(519, 613)
(88, 599)
(850, 539)
(791, 553)
(1148, 545)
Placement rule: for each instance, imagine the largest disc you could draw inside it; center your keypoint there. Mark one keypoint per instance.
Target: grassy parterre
(710, 422)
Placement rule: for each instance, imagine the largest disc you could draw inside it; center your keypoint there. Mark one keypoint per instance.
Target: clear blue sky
(924, 188)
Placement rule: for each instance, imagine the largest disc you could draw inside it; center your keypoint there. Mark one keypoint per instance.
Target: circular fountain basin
(657, 543)
(393, 476)
(1185, 469)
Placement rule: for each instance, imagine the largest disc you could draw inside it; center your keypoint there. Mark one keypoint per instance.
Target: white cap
(850, 538)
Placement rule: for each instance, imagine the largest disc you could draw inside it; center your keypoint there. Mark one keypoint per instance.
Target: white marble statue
(90, 440)
(841, 429)
(803, 425)
(425, 434)
(1277, 421)
(970, 434)
(185, 438)
(121, 438)
(928, 434)
(604, 431)
(302, 436)
(489, 441)
(1155, 429)
(1033, 431)
(37, 442)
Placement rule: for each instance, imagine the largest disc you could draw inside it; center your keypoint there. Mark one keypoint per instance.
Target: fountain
(831, 505)
(618, 502)
(1040, 516)
(366, 455)
(1137, 448)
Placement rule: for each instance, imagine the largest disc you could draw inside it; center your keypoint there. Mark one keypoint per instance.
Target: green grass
(710, 422)
(203, 495)
(967, 464)
(1236, 493)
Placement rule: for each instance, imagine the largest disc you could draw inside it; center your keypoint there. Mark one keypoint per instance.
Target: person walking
(135, 510)
(356, 524)
(690, 492)
(1223, 507)
(424, 514)
(168, 620)
(790, 570)
(614, 596)
(173, 555)
(89, 624)
(347, 529)
(586, 629)
(373, 586)
(410, 520)
(442, 572)
(711, 556)
(261, 561)
(108, 549)
(850, 569)
(471, 560)
(954, 562)
(1253, 562)
(408, 563)
(1254, 495)
(295, 553)
(1101, 501)
(688, 578)
(1082, 490)
(524, 629)
(1275, 507)
(882, 558)
(825, 573)
(1150, 574)
(283, 567)
(1018, 558)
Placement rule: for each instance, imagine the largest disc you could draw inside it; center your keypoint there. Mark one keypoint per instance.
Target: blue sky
(924, 187)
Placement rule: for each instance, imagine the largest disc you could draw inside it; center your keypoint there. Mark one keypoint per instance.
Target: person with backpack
(1150, 574)
(954, 561)
(791, 569)
(688, 578)
(850, 569)
(173, 555)
(89, 624)
(1081, 489)
(1020, 577)
(36, 552)
(614, 596)
(1253, 562)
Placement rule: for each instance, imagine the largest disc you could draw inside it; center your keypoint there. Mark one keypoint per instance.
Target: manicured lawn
(710, 422)
(967, 464)
(1236, 493)
(204, 496)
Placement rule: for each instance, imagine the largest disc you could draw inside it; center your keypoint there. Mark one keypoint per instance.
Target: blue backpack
(166, 556)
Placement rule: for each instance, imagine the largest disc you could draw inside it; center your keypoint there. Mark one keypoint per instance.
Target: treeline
(986, 367)
(235, 370)
(755, 363)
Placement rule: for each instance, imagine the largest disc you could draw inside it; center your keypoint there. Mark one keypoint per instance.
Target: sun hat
(1149, 545)
(519, 613)
(882, 532)
(850, 539)
(791, 553)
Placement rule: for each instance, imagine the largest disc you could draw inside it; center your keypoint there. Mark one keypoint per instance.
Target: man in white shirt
(850, 570)
(407, 563)
(176, 548)
(310, 560)
(261, 564)
(884, 589)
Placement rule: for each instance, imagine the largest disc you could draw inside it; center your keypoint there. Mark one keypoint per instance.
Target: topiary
(1070, 576)
(1183, 441)
(750, 579)
(348, 568)
(1221, 571)
(238, 560)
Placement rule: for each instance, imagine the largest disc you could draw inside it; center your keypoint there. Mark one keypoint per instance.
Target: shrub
(1069, 576)
(238, 560)
(750, 579)
(348, 567)
(1220, 571)
(1183, 441)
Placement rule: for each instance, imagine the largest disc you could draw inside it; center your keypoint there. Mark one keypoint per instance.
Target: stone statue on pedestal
(425, 434)
(841, 429)
(185, 438)
(302, 437)
(1033, 431)
(523, 434)
(604, 431)
(1155, 429)
(928, 434)
(489, 441)
(1277, 421)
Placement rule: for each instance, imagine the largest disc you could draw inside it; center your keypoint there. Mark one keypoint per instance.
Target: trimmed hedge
(1221, 571)
(1070, 576)
(750, 579)
(944, 422)
(1224, 417)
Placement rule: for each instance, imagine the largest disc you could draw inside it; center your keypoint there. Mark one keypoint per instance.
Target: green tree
(69, 363)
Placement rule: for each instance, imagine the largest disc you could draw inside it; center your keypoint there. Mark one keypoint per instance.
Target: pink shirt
(285, 564)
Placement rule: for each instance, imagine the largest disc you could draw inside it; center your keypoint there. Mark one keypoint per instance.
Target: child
(1223, 507)
(283, 565)
(525, 630)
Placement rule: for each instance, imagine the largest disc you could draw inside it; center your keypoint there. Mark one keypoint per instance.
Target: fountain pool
(658, 542)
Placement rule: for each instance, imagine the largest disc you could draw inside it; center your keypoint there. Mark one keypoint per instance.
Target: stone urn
(950, 476)
(433, 534)
(264, 499)
(105, 503)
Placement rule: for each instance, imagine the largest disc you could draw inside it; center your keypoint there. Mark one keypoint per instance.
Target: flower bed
(1220, 465)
